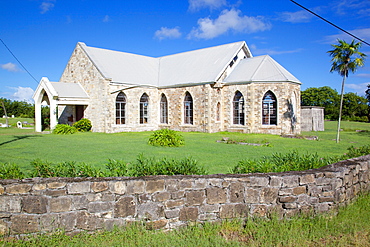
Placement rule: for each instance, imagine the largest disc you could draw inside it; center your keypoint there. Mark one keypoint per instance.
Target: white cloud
(46, 6)
(228, 20)
(195, 5)
(10, 67)
(168, 33)
(358, 88)
(343, 7)
(363, 33)
(296, 17)
(106, 18)
(23, 94)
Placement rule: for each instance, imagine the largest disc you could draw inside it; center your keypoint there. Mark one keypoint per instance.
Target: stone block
(135, 187)
(56, 185)
(99, 207)
(268, 195)
(117, 187)
(67, 221)
(108, 197)
(18, 188)
(285, 199)
(276, 181)
(285, 191)
(38, 187)
(125, 206)
(172, 213)
(259, 210)
(4, 228)
(323, 181)
(195, 197)
(171, 185)
(144, 198)
(259, 181)
(35, 204)
(299, 190)
(88, 222)
(80, 202)
(60, 204)
(216, 195)
(217, 182)
(326, 199)
(290, 181)
(185, 184)
(161, 196)
(290, 205)
(150, 211)
(23, 224)
(252, 195)
(209, 208)
(10, 204)
(49, 222)
(188, 214)
(153, 186)
(200, 183)
(233, 211)
(174, 203)
(99, 186)
(155, 225)
(177, 194)
(236, 192)
(2, 189)
(62, 192)
(78, 188)
(307, 179)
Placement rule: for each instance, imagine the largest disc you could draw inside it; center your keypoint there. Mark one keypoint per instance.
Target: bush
(10, 171)
(149, 167)
(64, 129)
(116, 168)
(166, 138)
(83, 125)
(278, 162)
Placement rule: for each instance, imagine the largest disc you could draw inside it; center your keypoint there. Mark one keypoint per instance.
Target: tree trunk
(340, 107)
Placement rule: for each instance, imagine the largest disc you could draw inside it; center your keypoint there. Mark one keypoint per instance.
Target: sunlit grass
(23, 146)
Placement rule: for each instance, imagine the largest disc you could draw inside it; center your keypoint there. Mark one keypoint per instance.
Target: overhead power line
(322, 18)
(18, 61)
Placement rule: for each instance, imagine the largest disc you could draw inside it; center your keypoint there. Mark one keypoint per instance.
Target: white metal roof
(69, 90)
(260, 69)
(204, 65)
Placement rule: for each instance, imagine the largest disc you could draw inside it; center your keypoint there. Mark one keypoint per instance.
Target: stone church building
(221, 88)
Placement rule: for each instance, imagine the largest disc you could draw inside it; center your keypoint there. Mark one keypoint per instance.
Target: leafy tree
(354, 107)
(345, 57)
(17, 108)
(322, 96)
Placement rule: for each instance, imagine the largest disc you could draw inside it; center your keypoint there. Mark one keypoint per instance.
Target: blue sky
(43, 33)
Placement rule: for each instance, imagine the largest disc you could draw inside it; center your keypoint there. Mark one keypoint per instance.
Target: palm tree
(345, 57)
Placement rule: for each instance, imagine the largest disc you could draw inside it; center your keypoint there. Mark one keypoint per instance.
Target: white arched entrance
(57, 94)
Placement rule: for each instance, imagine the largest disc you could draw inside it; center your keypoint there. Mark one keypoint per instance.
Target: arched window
(269, 109)
(144, 109)
(163, 110)
(188, 109)
(238, 108)
(218, 112)
(121, 108)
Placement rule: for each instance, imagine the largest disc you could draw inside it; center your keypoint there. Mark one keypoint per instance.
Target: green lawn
(21, 146)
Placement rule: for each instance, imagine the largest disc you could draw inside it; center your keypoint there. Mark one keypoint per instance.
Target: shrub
(64, 129)
(150, 166)
(278, 162)
(356, 152)
(10, 171)
(83, 125)
(166, 138)
(116, 168)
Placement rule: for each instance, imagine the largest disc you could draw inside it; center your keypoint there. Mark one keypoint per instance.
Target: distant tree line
(17, 108)
(355, 107)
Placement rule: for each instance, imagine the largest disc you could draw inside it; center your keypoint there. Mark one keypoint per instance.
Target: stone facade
(167, 202)
(212, 103)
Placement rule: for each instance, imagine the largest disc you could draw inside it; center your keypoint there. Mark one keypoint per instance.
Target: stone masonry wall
(167, 202)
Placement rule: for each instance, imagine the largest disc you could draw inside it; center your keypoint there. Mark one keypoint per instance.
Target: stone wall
(167, 202)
